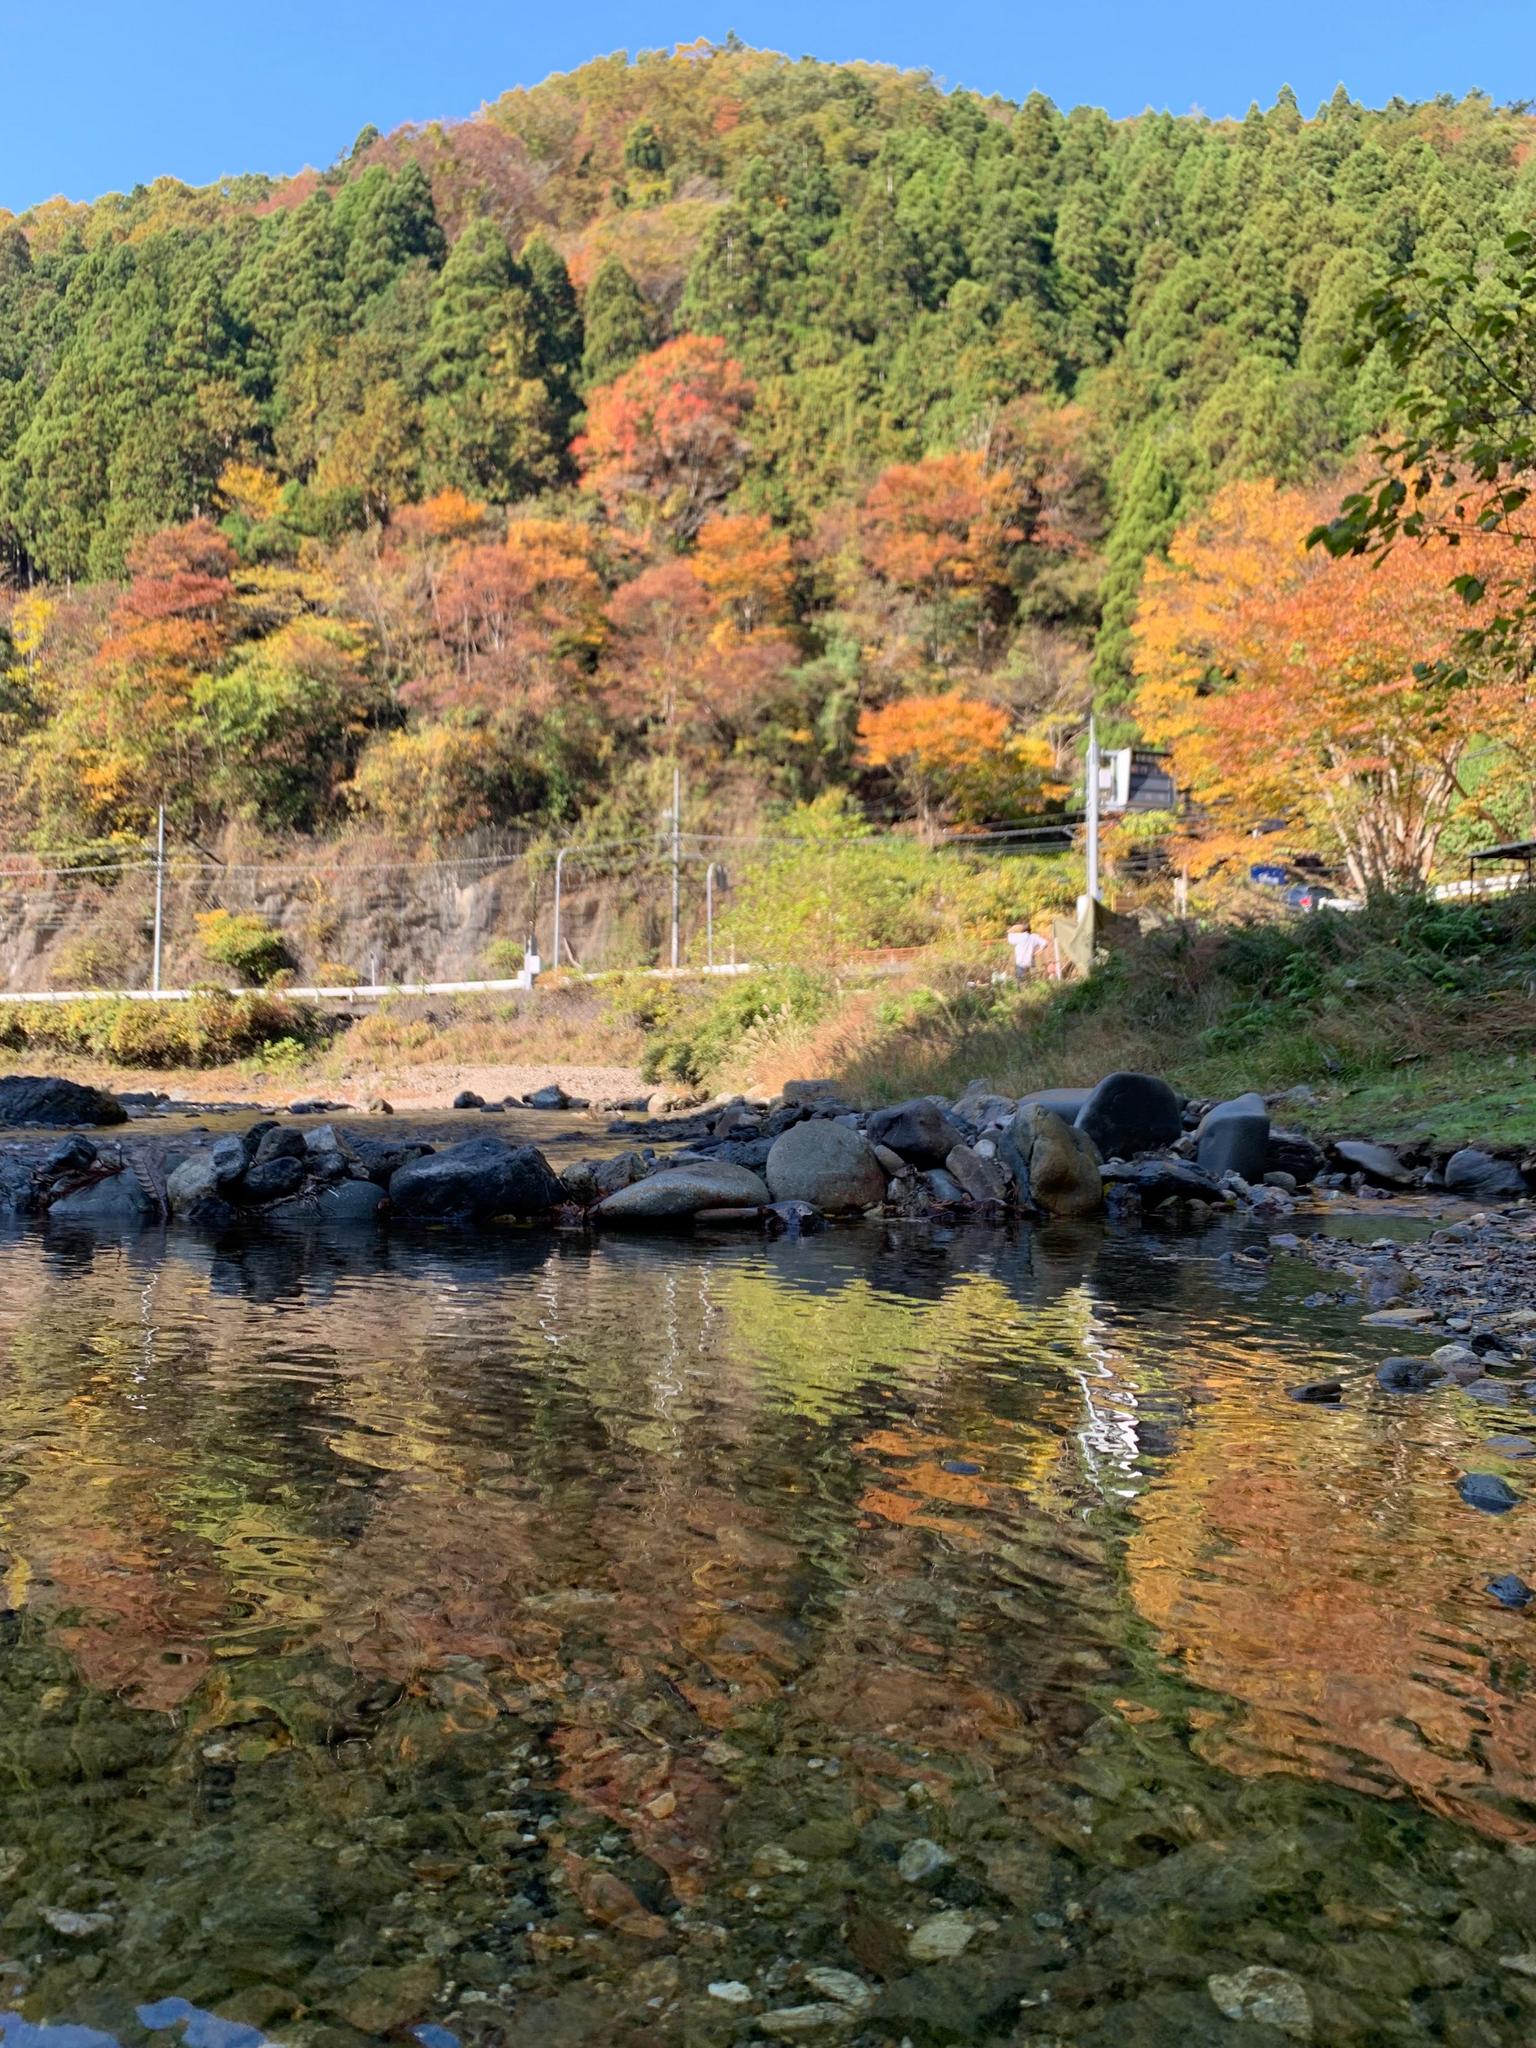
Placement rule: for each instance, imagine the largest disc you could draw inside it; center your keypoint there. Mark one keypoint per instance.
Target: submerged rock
(477, 1180)
(1510, 1590)
(1271, 1998)
(1408, 1375)
(1156, 1181)
(44, 1099)
(828, 1165)
(1129, 1114)
(1487, 1492)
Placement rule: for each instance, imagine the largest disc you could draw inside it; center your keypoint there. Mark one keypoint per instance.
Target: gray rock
(827, 1165)
(468, 1099)
(1128, 1114)
(1156, 1181)
(1458, 1362)
(269, 1180)
(920, 1859)
(891, 1161)
(943, 1186)
(1293, 1152)
(381, 1159)
(1408, 1375)
(349, 1201)
(981, 1105)
(1068, 1103)
(1054, 1163)
(1379, 1163)
(118, 1200)
(1510, 1590)
(982, 1179)
(810, 1091)
(553, 1097)
(1234, 1138)
(1481, 1177)
(1270, 1998)
(680, 1192)
(478, 1180)
(278, 1143)
(71, 1155)
(59, 1105)
(921, 1131)
(1487, 1492)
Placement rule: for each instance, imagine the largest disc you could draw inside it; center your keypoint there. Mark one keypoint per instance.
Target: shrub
(244, 941)
(208, 1031)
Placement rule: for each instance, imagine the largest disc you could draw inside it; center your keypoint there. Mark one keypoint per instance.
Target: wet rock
(1053, 1162)
(270, 1180)
(381, 1159)
(730, 1991)
(118, 1201)
(1293, 1152)
(1481, 1177)
(277, 1143)
(208, 1212)
(73, 1155)
(922, 1131)
(1510, 1590)
(1272, 1998)
(941, 1938)
(468, 1099)
(347, 1201)
(59, 1105)
(72, 1925)
(805, 2022)
(478, 1180)
(942, 1186)
(680, 1192)
(1128, 1114)
(841, 1986)
(827, 1165)
(1408, 1375)
(1487, 1492)
(1234, 1138)
(982, 1179)
(891, 1161)
(1378, 1163)
(207, 1172)
(1156, 1181)
(921, 1859)
(1320, 1393)
(751, 1153)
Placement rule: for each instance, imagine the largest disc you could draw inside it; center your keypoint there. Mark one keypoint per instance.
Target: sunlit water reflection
(509, 1641)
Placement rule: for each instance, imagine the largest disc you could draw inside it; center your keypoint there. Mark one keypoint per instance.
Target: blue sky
(96, 97)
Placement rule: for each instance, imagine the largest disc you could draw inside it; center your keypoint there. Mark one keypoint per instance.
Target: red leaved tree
(663, 442)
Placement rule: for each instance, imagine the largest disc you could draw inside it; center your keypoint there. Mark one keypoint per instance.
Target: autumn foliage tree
(664, 442)
(953, 756)
(1325, 693)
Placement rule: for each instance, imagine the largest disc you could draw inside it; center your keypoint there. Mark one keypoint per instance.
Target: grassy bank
(1410, 1019)
(211, 1030)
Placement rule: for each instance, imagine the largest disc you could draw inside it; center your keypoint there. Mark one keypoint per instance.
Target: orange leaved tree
(1325, 693)
(954, 756)
(663, 442)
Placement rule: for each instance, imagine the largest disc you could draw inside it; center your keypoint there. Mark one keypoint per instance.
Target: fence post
(677, 859)
(154, 978)
(1092, 809)
(559, 871)
(709, 914)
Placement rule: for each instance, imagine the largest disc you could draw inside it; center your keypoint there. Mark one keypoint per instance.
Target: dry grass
(570, 1026)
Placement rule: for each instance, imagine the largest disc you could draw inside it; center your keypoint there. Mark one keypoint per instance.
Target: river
(530, 1640)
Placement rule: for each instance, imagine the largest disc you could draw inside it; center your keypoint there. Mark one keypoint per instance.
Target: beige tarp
(1101, 931)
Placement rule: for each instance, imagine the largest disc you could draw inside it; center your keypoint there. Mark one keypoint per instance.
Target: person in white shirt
(1027, 946)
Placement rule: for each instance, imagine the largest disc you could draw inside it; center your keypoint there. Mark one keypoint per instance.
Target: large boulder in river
(1156, 1181)
(118, 1202)
(678, 1192)
(1054, 1163)
(61, 1105)
(828, 1165)
(1129, 1114)
(1481, 1177)
(1234, 1138)
(208, 1172)
(476, 1181)
(922, 1131)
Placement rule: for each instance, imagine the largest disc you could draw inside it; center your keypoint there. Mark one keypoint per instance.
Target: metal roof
(1519, 849)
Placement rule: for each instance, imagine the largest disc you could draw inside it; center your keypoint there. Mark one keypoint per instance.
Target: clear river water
(890, 1636)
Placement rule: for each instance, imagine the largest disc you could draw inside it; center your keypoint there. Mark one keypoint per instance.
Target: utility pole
(1091, 807)
(154, 978)
(677, 861)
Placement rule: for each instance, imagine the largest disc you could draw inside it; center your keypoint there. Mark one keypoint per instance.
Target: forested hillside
(804, 420)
